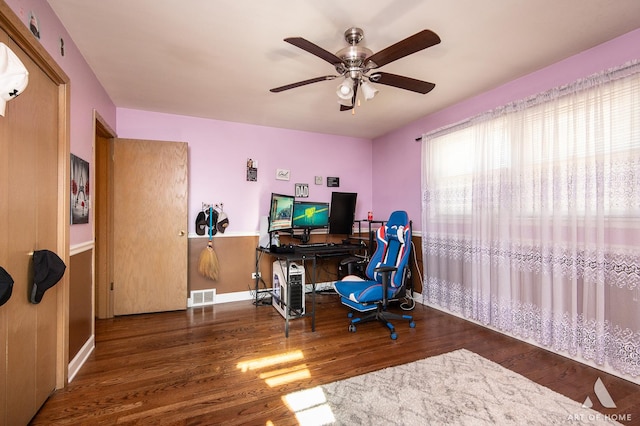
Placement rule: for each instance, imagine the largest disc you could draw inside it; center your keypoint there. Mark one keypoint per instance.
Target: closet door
(29, 221)
(150, 247)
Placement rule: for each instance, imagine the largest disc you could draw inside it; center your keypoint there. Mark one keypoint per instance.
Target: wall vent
(202, 297)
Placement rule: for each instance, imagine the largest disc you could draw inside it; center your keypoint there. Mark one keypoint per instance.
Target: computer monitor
(281, 212)
(342, 213)
(310, 215)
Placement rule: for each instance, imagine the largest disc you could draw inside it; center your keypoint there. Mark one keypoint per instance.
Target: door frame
(103, 218)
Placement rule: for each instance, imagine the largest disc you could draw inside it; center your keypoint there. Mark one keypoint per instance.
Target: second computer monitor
(342, 213)
(281, 212)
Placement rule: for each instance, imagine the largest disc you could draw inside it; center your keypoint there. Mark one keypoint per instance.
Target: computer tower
(296, 287)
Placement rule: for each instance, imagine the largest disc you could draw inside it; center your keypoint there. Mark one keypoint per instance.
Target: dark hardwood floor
(231, 364)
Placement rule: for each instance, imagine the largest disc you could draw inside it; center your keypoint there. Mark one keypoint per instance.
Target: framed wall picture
(302, 190)
(283, 174)
(252, 170)
(80, 200)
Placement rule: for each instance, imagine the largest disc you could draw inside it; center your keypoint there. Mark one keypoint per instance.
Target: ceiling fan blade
(402, 82)
(413, 44)
(302, 83)
(314, 50)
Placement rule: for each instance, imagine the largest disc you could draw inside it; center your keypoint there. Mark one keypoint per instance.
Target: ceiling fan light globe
(346, 96)
(345, 89)
(368, 90)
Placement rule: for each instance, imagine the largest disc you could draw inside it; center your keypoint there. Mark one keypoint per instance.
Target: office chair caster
(352, 328)
(412, 324)
(394, 336)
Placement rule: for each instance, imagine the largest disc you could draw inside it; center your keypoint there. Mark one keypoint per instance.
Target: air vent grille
(202, 297)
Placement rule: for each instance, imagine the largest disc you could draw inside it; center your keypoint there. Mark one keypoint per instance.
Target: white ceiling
(218, 59)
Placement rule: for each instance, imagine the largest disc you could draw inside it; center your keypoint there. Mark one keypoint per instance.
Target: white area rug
(457, 388)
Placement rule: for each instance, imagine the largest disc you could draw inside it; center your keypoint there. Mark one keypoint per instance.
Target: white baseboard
(233, 297)
(239, 296)
(81, 357)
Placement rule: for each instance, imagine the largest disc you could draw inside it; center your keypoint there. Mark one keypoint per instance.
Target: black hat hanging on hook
(48, 269)
(201, 223)
(6, 286)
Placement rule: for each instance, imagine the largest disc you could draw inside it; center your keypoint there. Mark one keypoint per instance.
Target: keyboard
(313, 245)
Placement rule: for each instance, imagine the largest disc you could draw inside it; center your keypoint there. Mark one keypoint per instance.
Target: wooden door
(149, 226)
(29, 220)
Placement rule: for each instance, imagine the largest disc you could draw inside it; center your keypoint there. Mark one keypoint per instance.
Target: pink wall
(218, 153)
(399, 147)
(218, 150)
(86, 92)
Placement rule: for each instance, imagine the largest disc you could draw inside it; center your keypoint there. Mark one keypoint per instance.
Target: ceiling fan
(355, 62)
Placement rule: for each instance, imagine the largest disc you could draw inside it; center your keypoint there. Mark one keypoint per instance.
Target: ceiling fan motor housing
(353, 55)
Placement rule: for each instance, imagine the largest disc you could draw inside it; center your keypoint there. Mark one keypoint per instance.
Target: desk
(301, 254)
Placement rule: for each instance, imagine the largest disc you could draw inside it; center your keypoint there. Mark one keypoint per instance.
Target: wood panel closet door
(150, 226)
(28, 221)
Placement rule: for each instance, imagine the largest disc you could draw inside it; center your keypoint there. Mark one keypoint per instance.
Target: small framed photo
(283, 174)
(333, 182)
(302, 190)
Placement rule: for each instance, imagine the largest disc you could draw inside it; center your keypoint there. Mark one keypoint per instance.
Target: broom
(208, 263)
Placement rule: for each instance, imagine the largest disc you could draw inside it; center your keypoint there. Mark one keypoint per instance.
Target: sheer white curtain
(531, 219)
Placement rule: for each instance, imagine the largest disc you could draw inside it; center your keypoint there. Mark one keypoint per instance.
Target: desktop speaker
(263, 239)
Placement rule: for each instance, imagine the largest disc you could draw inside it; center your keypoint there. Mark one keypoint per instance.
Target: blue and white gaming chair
(387, 272)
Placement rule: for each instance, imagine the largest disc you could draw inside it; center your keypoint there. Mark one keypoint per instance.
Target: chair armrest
(350, 259)
(384, 269)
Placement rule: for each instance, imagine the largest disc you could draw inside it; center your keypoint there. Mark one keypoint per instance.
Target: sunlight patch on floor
(309, 406)
(268, 361)
(285, 375)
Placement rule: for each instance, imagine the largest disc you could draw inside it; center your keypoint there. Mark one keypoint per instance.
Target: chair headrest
(398, 217)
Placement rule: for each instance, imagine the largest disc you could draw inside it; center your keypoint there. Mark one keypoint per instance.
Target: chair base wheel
(383, 317)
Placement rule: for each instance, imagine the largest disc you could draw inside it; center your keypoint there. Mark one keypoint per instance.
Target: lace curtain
(531, 219)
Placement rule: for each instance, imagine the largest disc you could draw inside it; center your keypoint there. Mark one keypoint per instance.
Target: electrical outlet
(255, 276)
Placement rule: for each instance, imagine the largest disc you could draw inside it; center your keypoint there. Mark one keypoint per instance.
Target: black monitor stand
(304, 237)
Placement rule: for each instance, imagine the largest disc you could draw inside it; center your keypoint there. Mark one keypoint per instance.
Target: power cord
(410, 303)
(260, 298)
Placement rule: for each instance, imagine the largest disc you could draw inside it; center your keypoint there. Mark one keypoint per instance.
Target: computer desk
(302, 253)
